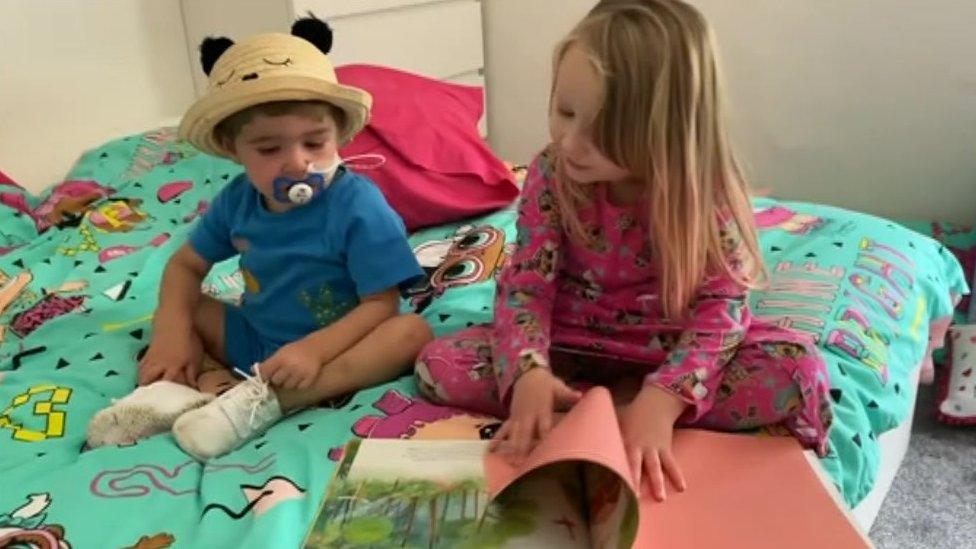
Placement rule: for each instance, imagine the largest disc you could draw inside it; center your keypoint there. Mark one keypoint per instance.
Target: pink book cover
(743, 490)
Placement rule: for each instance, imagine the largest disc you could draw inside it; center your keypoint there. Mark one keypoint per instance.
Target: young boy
(321, 252)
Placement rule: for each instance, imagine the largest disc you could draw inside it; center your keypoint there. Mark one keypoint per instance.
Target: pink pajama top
(602, 297)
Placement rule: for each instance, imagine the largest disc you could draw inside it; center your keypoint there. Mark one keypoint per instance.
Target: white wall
(519, 38)
(868, 104)
(128, 71)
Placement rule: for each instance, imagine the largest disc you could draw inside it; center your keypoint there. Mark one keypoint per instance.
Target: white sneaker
(231, 419)
(147, 411)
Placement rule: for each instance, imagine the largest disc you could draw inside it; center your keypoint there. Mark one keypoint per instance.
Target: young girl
(636, 250)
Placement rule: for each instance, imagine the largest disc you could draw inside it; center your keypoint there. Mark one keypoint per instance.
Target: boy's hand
(535, 396)
(293, 366)
(172, 356)
(647, 425)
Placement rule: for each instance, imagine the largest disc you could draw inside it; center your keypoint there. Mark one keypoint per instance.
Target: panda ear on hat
(211, 49)
(314, 30)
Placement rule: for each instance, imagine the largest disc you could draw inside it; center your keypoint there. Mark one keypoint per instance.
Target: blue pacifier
(301, 191)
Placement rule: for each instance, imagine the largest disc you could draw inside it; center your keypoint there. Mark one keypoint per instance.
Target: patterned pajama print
(590, 311)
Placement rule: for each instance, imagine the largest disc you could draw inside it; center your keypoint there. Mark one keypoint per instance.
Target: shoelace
(257, 392)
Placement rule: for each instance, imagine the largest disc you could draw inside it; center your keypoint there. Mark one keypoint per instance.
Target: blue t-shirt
(306, 268)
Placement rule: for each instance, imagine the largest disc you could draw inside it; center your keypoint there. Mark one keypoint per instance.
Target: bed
(79, 274)
(79, 282)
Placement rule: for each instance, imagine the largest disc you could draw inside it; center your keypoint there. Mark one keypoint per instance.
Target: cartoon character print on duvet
(68, 203)
(785, 219)
(414, 418)
(71, 202)
(26, 526)
(90, 210)
(474, 254)
(22, 310)
(15, 199)
(37, 413)
(803, 296)
(158, 148)
(117, 215)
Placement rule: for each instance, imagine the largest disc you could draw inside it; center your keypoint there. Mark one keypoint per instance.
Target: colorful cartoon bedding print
(79, 275)
(876, 297)
(960, 239)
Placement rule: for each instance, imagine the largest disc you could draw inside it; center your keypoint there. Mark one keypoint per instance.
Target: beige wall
(868, 104)
(130, 71)
(519, 37)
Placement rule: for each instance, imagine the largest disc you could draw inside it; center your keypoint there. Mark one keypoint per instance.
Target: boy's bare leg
(215, 378)
(384, 354)
(215, 375)
(248, 409)
(208, 321)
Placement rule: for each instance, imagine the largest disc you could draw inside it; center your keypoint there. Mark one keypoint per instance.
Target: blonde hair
(661, 119)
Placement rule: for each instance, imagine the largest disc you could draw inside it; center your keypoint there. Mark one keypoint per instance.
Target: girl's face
(576, 100)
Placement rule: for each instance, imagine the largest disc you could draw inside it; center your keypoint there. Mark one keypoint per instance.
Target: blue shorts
(242, 344)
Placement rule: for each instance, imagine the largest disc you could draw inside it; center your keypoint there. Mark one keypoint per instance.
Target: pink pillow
(438, 169)
(4, 180)
(13, 195)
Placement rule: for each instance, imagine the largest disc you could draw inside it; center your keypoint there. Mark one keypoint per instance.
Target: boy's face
(283, 146)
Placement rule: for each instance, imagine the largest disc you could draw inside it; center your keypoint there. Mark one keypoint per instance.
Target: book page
(552, 498)
(446, 460)
(431, 493)
(589, 437)
(612, 509)
(589, 432)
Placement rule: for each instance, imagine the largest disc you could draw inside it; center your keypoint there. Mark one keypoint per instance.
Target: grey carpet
(932, 503)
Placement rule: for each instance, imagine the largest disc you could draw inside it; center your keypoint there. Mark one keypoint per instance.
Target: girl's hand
(535, 396)
(172, 356)
(647, 425)
(293, 366)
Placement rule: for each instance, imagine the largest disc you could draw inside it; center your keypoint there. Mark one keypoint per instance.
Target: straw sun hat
(266, 68)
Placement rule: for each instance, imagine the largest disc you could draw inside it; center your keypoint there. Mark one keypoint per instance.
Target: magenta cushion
(438, 169)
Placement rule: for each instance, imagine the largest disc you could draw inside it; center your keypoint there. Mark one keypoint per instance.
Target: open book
(575, 489)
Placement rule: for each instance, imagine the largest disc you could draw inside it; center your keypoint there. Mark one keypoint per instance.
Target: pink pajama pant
(777, 379)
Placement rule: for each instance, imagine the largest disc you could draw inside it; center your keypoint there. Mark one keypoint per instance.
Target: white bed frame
(894, 446)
